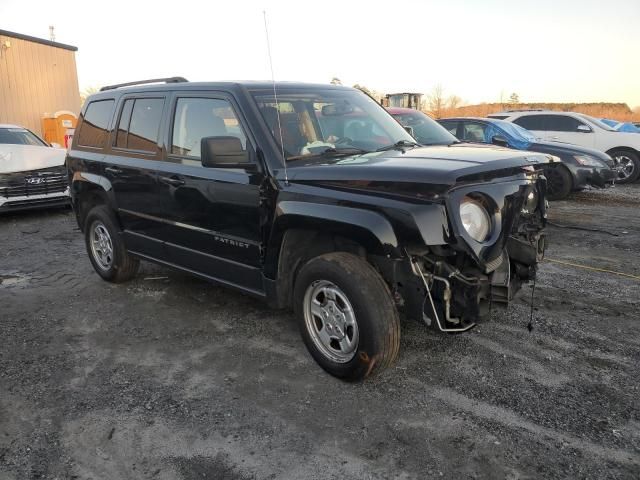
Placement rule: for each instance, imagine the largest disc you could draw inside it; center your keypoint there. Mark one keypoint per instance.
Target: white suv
(580, 129)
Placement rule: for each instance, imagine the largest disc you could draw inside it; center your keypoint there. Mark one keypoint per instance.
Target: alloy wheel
(331, 322)
(101, 246)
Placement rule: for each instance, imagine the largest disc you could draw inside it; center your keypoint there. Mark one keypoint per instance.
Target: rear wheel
(559, 182)
(627, 165)
(105, 247)
(347, 317)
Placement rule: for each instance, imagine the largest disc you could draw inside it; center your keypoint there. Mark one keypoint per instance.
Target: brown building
(37, 78)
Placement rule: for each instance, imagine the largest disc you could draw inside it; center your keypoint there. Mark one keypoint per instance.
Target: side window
(562, 123)
(93, 132)
(473, 132)
(532, 122)
(197, 118)
(452, 127)
(145, 124)
(123, 123)
(139, 124)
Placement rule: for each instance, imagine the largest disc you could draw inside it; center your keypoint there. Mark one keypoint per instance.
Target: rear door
(211, 216)
(536, 124)
(131, 166)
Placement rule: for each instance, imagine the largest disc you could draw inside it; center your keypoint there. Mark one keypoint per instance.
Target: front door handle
(173, 181)
(113, 170)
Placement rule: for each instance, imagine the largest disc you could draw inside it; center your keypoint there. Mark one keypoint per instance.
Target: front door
(211, 215)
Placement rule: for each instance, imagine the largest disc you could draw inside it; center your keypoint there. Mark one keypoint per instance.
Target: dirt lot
(167, 377)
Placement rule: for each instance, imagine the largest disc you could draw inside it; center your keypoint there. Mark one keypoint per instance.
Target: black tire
(559, 182)
(122, 266)
(376, 318)
(631, 160)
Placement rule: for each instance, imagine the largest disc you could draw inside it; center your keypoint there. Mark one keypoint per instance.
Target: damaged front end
(494, 246)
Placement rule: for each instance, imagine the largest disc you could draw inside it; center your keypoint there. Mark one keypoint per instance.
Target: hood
(559, 148)
(443, 165)
(20, 158)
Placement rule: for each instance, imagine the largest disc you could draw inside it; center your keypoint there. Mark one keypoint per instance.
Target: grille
(29, 184)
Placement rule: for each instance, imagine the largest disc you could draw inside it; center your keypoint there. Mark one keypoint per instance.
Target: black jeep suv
(311, 197)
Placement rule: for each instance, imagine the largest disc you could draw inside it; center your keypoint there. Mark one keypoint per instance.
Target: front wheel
(627, 165)
(559, 182)
(347, 317)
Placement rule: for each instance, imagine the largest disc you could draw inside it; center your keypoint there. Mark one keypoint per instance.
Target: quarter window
(197, 118)
(95, 123)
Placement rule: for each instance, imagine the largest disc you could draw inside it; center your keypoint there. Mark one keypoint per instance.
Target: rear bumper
(31, 202)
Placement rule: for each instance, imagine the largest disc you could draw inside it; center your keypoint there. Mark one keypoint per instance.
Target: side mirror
(500, 141)
(584, 129)
(223, 152)
(409, 130)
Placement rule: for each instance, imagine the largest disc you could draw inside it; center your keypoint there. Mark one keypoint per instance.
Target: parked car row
(578, 168)
(585, 131)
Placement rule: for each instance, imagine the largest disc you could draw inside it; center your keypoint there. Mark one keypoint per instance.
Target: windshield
(425, 130)
(317, 121)
(19, 136)
(597, 123)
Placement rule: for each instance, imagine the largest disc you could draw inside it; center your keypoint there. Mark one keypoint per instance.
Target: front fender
(371, 229)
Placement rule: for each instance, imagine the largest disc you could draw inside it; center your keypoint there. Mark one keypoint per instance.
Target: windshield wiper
(398, 145)
(330, 152)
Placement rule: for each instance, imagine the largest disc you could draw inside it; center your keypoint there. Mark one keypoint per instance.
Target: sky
(544, 50)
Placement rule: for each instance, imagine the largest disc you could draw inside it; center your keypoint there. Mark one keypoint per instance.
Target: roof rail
(526, 110)
(145, 82)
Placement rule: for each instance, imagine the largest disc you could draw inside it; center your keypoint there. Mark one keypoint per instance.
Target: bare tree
(335, 81)
(453, 102)
(363, 88)
(87, 92)
(436, 101)
(514, 99)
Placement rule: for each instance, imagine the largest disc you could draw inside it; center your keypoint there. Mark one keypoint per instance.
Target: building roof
(29, 38)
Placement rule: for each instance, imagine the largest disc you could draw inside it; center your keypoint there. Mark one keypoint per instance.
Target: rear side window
(95, 124)
(139, 124)
(197, 118)
(532, 122)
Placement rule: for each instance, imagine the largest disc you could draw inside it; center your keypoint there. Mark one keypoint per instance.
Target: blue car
(621, 126)
(580, 167)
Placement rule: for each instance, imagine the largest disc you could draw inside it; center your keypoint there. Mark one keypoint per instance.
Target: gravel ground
(167, 377)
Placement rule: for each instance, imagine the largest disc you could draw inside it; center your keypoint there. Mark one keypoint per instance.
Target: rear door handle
(173, 181)
(113, 170)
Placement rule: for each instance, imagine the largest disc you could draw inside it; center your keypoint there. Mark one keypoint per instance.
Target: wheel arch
(89, 191)
(303, 231)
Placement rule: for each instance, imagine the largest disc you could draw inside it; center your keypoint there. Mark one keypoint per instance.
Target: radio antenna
(275, 96)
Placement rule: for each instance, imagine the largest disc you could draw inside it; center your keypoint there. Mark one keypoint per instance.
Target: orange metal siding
(36, 79)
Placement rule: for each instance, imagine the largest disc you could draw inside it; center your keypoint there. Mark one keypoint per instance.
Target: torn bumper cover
(456, 288)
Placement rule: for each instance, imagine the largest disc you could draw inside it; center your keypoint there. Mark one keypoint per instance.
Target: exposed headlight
(475, 219)
(589, 161)
(530, 202)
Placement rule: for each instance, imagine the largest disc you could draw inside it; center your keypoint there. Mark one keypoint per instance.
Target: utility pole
(52, 34)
